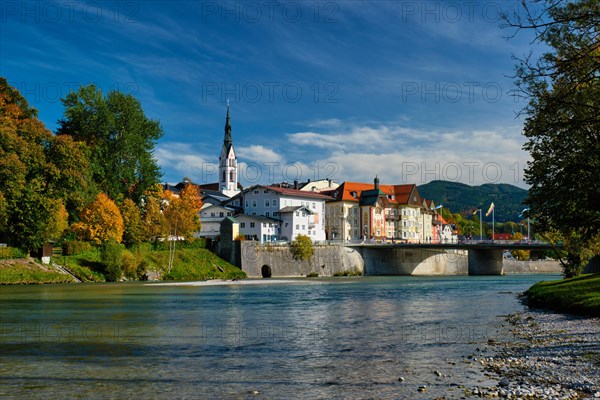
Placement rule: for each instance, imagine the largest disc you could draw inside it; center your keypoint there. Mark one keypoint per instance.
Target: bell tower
(228, 171)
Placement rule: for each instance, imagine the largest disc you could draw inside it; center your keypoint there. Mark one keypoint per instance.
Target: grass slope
(580, 295)
(188, 264)
(29, 271)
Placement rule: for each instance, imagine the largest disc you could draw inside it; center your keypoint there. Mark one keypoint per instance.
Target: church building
(228, 164)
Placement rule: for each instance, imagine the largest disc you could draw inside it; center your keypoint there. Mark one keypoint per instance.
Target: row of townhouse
(350, 211)
(362, 211)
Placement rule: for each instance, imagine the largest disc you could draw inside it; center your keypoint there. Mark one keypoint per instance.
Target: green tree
(563, 122)
(302, 248)
(120, 137)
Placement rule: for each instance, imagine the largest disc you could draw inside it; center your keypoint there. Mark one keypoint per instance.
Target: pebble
(541, 354)
(401, 379)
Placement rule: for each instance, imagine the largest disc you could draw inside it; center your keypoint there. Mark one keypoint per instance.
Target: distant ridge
(458, 197)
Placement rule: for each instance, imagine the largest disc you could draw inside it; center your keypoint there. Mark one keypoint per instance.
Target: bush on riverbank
(580, 295)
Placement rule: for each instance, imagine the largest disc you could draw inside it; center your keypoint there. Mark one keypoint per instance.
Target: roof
(396, 194)
(290, 209)
(370, 197)
(292, 192)
(256, 218)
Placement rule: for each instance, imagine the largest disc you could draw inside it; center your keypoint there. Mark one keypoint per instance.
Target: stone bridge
(473, 258)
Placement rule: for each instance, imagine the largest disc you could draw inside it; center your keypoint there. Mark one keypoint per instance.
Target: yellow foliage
(181, 212)
(100, 222)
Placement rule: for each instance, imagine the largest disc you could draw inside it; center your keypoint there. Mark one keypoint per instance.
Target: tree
(302, 248)
(153, 220)
(563, 122)
(121, 139)
(132, 223)
(101, 221)
(32, 211)
(181, 212)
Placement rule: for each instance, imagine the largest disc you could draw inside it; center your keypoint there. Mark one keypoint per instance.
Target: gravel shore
(548, 356)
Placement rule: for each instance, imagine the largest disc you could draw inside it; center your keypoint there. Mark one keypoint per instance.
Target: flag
(475, 212)
(489, 211)
(440, 206)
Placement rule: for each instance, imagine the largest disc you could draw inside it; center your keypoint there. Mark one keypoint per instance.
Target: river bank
(549, 356)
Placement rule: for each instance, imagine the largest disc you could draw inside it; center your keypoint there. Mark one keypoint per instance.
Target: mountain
(458, 197)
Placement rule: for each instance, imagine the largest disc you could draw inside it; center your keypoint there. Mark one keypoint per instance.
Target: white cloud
(401, 155)
(259, 153)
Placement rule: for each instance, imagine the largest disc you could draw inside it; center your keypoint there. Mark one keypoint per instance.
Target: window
(265, 191)
(252, 224)
(242, 224)
(212, 214)
(286, 224)
(275, 213)
(267, 203)
(274, 203)
(247, 203)
(267, 214)
(221, 214)
(253, 213)
(229, 213)
(297, 213)
(236, 203)
(253, 203)
(256, 192)
(297, 227)
(303, 227)
(314, 206)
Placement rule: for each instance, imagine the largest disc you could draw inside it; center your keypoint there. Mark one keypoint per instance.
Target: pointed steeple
(227, 141)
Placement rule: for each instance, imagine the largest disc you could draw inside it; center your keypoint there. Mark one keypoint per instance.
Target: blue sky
(411, 91)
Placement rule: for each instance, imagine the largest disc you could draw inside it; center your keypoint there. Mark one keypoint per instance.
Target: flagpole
(480, 226)
(493, 223)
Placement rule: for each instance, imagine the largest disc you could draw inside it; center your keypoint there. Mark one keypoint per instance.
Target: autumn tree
(100, 221)
(133, 231)
(120, 137)
(181, 212)
(563, 122)
(153, 220)
(32, 210)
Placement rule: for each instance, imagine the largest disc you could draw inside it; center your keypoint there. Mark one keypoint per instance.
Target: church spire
(227, 141)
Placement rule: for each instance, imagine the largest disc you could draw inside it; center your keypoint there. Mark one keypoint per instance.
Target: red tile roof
(403, 194)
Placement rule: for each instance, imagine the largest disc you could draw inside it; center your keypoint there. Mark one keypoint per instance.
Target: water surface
(311, 338)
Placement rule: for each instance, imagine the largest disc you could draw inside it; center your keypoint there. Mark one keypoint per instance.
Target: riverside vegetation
(580, 295)
(114, 262)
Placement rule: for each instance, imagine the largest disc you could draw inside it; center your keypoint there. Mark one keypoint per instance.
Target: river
(305, 338)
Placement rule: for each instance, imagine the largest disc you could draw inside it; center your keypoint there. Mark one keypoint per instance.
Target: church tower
(228, 171)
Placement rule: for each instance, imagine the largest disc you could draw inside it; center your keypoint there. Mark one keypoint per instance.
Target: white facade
(258, 228)
(211, 216)
(270, 201)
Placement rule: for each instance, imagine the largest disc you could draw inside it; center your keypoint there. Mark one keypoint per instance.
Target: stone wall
(532, 267)
(279, 262)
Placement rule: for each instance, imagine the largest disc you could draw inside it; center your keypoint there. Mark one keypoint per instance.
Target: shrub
(131, 263)
(302, 248)
(73, 247)
(312, 275)
(9, 253)
(111, 256)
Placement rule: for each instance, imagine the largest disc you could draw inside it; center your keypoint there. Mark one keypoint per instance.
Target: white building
(259, 228)
(302, 211)
(211, 216)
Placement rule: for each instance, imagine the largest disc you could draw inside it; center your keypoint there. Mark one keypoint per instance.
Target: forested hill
(458, 197)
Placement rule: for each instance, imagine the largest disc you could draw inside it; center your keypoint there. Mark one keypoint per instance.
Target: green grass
(580, 295)
(195, 264)
(190, 263)
(29, 272)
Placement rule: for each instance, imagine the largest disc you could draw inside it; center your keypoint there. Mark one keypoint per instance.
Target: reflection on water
(334, 338)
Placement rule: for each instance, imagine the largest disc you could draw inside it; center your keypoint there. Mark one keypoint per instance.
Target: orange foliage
(181, 212)
(100, 222)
